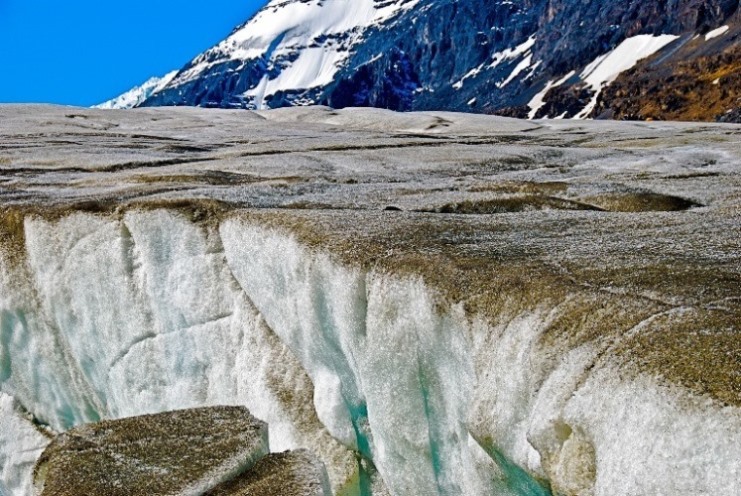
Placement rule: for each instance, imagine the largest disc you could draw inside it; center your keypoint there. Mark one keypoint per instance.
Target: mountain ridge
(536, 58)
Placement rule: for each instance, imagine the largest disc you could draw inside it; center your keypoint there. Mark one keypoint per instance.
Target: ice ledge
(444, 391)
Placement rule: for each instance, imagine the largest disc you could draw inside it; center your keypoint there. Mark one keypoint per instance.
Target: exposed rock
(694, 84)
(174, 453)
(292, 473)
(733, 115)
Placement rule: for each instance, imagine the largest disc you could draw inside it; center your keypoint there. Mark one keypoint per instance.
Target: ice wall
(109, 318)
(20, 446)
(114, 316)
(391, 375)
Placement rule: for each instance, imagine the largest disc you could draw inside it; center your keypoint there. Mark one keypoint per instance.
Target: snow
(314, 67)
(524, 64)
(538, 100)
(136, 96)
(606, 68)
(308, 31)
(472, 73)
(512, 53)
(498, 58)
(716, 32)
(624, 57)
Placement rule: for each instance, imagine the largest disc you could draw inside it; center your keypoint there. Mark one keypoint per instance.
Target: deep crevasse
(116, 317)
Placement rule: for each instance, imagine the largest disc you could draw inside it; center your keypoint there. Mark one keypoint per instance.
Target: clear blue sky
(82, 52)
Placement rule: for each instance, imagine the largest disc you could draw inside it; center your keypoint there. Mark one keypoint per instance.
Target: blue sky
(82, 52)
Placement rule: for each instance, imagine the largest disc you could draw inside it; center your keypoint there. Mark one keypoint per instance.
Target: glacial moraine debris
(291, 473)
(172, 453)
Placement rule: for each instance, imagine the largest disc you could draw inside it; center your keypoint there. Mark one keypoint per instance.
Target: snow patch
(512, 53)
(524, 64)
(499, 57)
(538, 100)
(716, 33)
(313, 67)
(472, 73)
(606, 68)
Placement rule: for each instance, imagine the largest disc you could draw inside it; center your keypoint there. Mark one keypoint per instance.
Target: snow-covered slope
(136, 96)
(607, 67)
(289, 45)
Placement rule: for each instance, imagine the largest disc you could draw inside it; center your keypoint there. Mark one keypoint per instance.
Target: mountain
(532, 58)
(136, 96)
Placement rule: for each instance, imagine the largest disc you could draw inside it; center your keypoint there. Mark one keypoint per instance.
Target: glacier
(512, 326)
(237, 315)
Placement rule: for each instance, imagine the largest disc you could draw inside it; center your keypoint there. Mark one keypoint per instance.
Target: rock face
(174, 453)
(432, 303)
(694, 84)
(292, 473)
(532, 58)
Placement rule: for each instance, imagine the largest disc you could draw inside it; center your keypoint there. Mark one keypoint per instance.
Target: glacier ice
(152, 312)
(585, 351)
(87, 350)
(401, 367)
(21, 443)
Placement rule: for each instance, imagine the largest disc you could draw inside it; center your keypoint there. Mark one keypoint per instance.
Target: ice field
(432, 303)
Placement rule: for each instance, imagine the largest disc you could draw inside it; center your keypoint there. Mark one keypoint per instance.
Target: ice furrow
(127, 349)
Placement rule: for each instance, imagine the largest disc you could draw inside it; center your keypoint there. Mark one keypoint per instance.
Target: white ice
(20, 445)
(151, 312)
(163, 327)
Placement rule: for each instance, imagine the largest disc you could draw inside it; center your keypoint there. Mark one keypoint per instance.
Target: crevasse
(109, 317)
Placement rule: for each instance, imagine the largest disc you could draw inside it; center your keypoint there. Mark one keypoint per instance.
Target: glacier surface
(544, 310)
